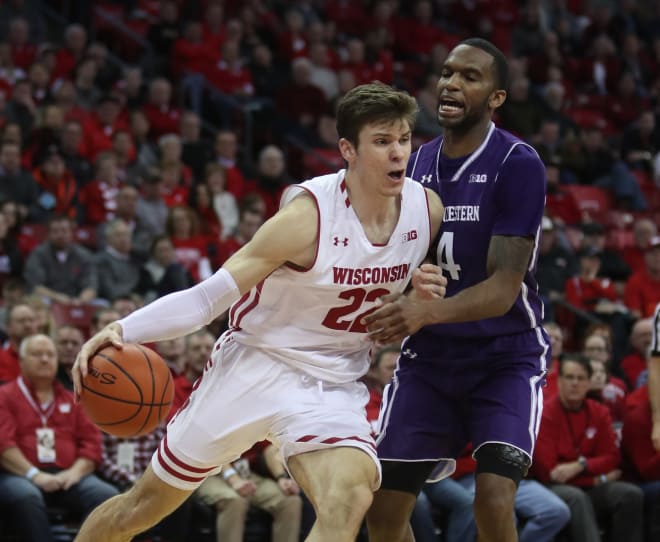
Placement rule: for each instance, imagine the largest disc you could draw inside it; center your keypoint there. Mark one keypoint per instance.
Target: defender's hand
(399, 317)
(109, 335)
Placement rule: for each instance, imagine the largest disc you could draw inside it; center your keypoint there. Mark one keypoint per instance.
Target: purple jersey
(499, 189)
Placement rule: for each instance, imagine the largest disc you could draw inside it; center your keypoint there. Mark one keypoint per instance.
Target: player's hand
(398, 317)
(109, 335)
(288, 486)
(655, 436)
(47, 482)
(245, 488)
(428, 282)
(563, 472)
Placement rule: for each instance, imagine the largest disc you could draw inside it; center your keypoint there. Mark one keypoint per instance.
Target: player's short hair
(373, 102)
(499, 59)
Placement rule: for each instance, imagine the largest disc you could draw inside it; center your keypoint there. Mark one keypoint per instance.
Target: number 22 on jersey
(342, 319)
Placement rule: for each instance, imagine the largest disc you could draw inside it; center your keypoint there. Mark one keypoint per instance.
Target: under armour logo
(409, 353)
(336, 241)
(426, 179)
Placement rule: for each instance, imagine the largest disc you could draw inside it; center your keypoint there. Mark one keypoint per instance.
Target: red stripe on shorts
(176, 474)
(333, 440)
(307, 438)
(180, 463)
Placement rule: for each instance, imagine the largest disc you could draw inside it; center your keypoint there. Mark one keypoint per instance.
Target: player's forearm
(183, 312)
(488, 299)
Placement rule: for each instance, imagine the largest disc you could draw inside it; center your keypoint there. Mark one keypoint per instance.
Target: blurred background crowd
(143, 142)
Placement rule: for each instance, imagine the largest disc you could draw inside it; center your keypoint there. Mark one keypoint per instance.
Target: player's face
(381, 156)
(466, 88)
(386, 367)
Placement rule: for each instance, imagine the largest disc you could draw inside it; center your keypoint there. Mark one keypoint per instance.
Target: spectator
(176, 176)
(99, 196)
(21, 323)
(48, 454)
(250, 219)
(556, 265)
(640, 144)
(173, 352)
(70, 144)
(195, 152)
(133, 88)
(103, 124)
(118, 270)
(644, 229)
(272, 177)
(227, 155)
(162, 116)
(67, 56)
(68, 340)
(223, 201)
(556, 335)
(163, 34)
(576, 453)
(21, 108)
(634, 364)
(162, 274)
(380, 374)
(523, 112)
(16, 184)
(60, 269)
(151, 207)
(84, 80)
(126, 210)
(190, 245)
(146, 153)
(240, 485)
(643, 456)
(198, 347)
(57, 186)
(612, 265)
(11, 260)
(642, 291)
(606, 389)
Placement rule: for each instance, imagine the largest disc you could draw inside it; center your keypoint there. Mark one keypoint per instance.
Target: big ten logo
(103, 378)
(478, 178)
(410, 236)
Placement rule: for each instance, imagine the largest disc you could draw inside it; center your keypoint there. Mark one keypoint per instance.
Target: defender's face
(381, 156)
(466, 88)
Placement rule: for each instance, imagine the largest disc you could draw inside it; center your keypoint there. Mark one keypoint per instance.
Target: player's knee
(344, 505)
(503, 460)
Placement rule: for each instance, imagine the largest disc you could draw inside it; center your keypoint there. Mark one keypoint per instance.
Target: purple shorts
(478, 391)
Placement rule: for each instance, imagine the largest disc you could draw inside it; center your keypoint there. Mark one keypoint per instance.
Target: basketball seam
(153, 388)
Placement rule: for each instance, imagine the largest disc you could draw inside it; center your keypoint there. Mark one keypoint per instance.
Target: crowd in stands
(144, 142)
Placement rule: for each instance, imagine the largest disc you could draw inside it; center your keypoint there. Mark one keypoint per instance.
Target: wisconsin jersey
(311, 318)
(497, 190)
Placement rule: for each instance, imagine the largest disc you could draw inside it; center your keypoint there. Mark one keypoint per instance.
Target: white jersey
(311, 318)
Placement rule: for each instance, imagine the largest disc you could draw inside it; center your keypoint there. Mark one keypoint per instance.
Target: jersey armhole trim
(300, 268)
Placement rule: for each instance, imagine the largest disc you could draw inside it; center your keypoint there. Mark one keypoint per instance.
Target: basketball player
(287, 368)
(473, 368)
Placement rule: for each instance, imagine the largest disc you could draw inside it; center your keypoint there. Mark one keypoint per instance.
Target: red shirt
(550, 390)
(182, 389)
(586, 294)
(636, 441)
(566, 435)
(99, 200)
(9, 363)
(633, 365)
(75, 435)
(642, 293)
(162, 120)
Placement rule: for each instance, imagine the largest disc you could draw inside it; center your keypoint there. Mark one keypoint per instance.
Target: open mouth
(450, 106)
(397, 175)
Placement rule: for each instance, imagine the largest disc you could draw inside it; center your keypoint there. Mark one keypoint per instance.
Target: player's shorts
(478, 391)
(244, 397)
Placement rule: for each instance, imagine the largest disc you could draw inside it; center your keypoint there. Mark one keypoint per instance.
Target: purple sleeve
(520, 194)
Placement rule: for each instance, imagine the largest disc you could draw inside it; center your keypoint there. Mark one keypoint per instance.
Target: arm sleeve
(180, 313)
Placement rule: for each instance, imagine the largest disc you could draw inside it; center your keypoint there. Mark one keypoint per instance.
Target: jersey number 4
(446, 255)
(342, 319)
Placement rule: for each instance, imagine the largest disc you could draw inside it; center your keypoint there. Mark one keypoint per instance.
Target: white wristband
(32, 472)
(228, 473)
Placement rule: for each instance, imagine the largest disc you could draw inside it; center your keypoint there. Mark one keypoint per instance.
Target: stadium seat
(596, 201)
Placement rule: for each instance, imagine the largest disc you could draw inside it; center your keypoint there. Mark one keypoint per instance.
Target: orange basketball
(127, 392)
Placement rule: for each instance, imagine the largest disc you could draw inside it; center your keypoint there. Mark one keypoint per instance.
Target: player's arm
(654, 379)
(289, 236)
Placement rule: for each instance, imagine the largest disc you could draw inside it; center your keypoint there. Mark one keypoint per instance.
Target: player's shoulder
(312, 189)
(514, 148)
(425, 155)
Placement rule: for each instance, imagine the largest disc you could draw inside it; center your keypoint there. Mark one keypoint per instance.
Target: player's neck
(458, 143)
(372, 209)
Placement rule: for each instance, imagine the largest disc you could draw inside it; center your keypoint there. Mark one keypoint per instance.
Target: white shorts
(244, 397)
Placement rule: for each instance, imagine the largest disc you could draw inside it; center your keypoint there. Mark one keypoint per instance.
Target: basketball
(127, 392)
